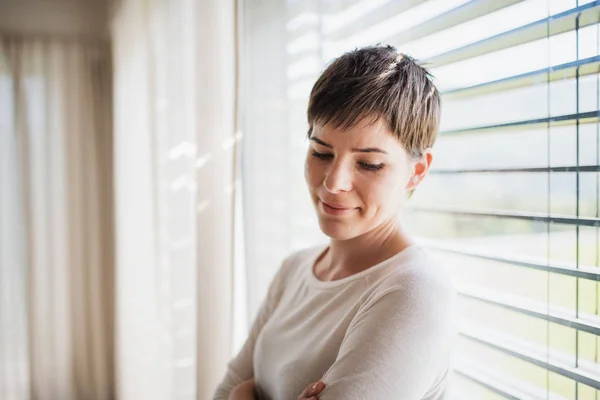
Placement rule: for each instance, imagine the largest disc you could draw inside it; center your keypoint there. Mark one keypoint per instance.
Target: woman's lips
(334, 209)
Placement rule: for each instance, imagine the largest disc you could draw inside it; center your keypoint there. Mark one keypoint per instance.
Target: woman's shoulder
(415, 274)
(295, 262)
(303, 256)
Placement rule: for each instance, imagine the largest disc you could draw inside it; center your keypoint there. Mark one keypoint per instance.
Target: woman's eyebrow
(367, 150)
(322, 143)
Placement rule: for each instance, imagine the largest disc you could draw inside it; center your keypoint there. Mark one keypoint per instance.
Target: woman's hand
(243, 391)
(312, 391)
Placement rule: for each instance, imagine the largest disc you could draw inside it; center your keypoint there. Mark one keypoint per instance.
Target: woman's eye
(322, 156)
(371, 167)
(364, 165)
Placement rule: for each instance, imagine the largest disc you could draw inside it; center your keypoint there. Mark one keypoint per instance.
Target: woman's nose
(338, 178)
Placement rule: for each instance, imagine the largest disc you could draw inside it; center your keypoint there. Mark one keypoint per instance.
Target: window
(512, 206)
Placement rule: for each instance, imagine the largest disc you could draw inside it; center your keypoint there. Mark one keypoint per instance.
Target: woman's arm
(246, 391)
(243, 391)
(241, 369)
(397, 347)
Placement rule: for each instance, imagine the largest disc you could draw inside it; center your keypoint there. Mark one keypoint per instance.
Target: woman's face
(358, 178)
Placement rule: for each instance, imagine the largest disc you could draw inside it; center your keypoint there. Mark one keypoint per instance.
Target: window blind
(512, 204)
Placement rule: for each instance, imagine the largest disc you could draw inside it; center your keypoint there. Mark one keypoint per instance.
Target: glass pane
(313, 32)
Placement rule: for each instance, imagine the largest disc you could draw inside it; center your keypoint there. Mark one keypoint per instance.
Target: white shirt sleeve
(241, 367)
(397, 347)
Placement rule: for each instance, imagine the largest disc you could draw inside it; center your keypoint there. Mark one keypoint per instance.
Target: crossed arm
(246, 391)
(398, 346)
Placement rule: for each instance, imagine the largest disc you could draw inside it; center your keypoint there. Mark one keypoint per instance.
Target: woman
(369, 316)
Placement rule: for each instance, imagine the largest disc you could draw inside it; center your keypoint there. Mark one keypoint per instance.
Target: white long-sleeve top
(385, 333)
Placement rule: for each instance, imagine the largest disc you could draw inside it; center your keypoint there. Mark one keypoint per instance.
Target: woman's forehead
(362, 134)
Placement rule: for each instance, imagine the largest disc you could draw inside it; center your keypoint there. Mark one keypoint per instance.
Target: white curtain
(56, 252)
(175, 146)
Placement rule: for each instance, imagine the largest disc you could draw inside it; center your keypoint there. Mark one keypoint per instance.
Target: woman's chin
(337, 230)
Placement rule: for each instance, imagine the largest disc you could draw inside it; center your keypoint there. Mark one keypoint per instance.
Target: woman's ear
(420, 169)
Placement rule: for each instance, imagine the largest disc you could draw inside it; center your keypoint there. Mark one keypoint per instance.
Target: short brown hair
(378, 82)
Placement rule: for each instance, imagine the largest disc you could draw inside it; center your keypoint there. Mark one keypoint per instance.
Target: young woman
(370, 315)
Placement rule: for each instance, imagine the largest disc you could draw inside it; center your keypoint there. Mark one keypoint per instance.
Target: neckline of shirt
(319, 284)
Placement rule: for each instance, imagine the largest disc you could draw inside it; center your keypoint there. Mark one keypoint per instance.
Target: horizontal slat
(529, 353)
(584, 272)
(584, 118)
(466, 12)
(488, 383)
(558, 219)
(506, 386)
(573, 168)
(557, 315)
(553, 25)
(372, 17)
(568, 70)
(299, 33)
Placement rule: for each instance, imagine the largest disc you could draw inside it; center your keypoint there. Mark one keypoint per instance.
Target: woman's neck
(348, 257)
